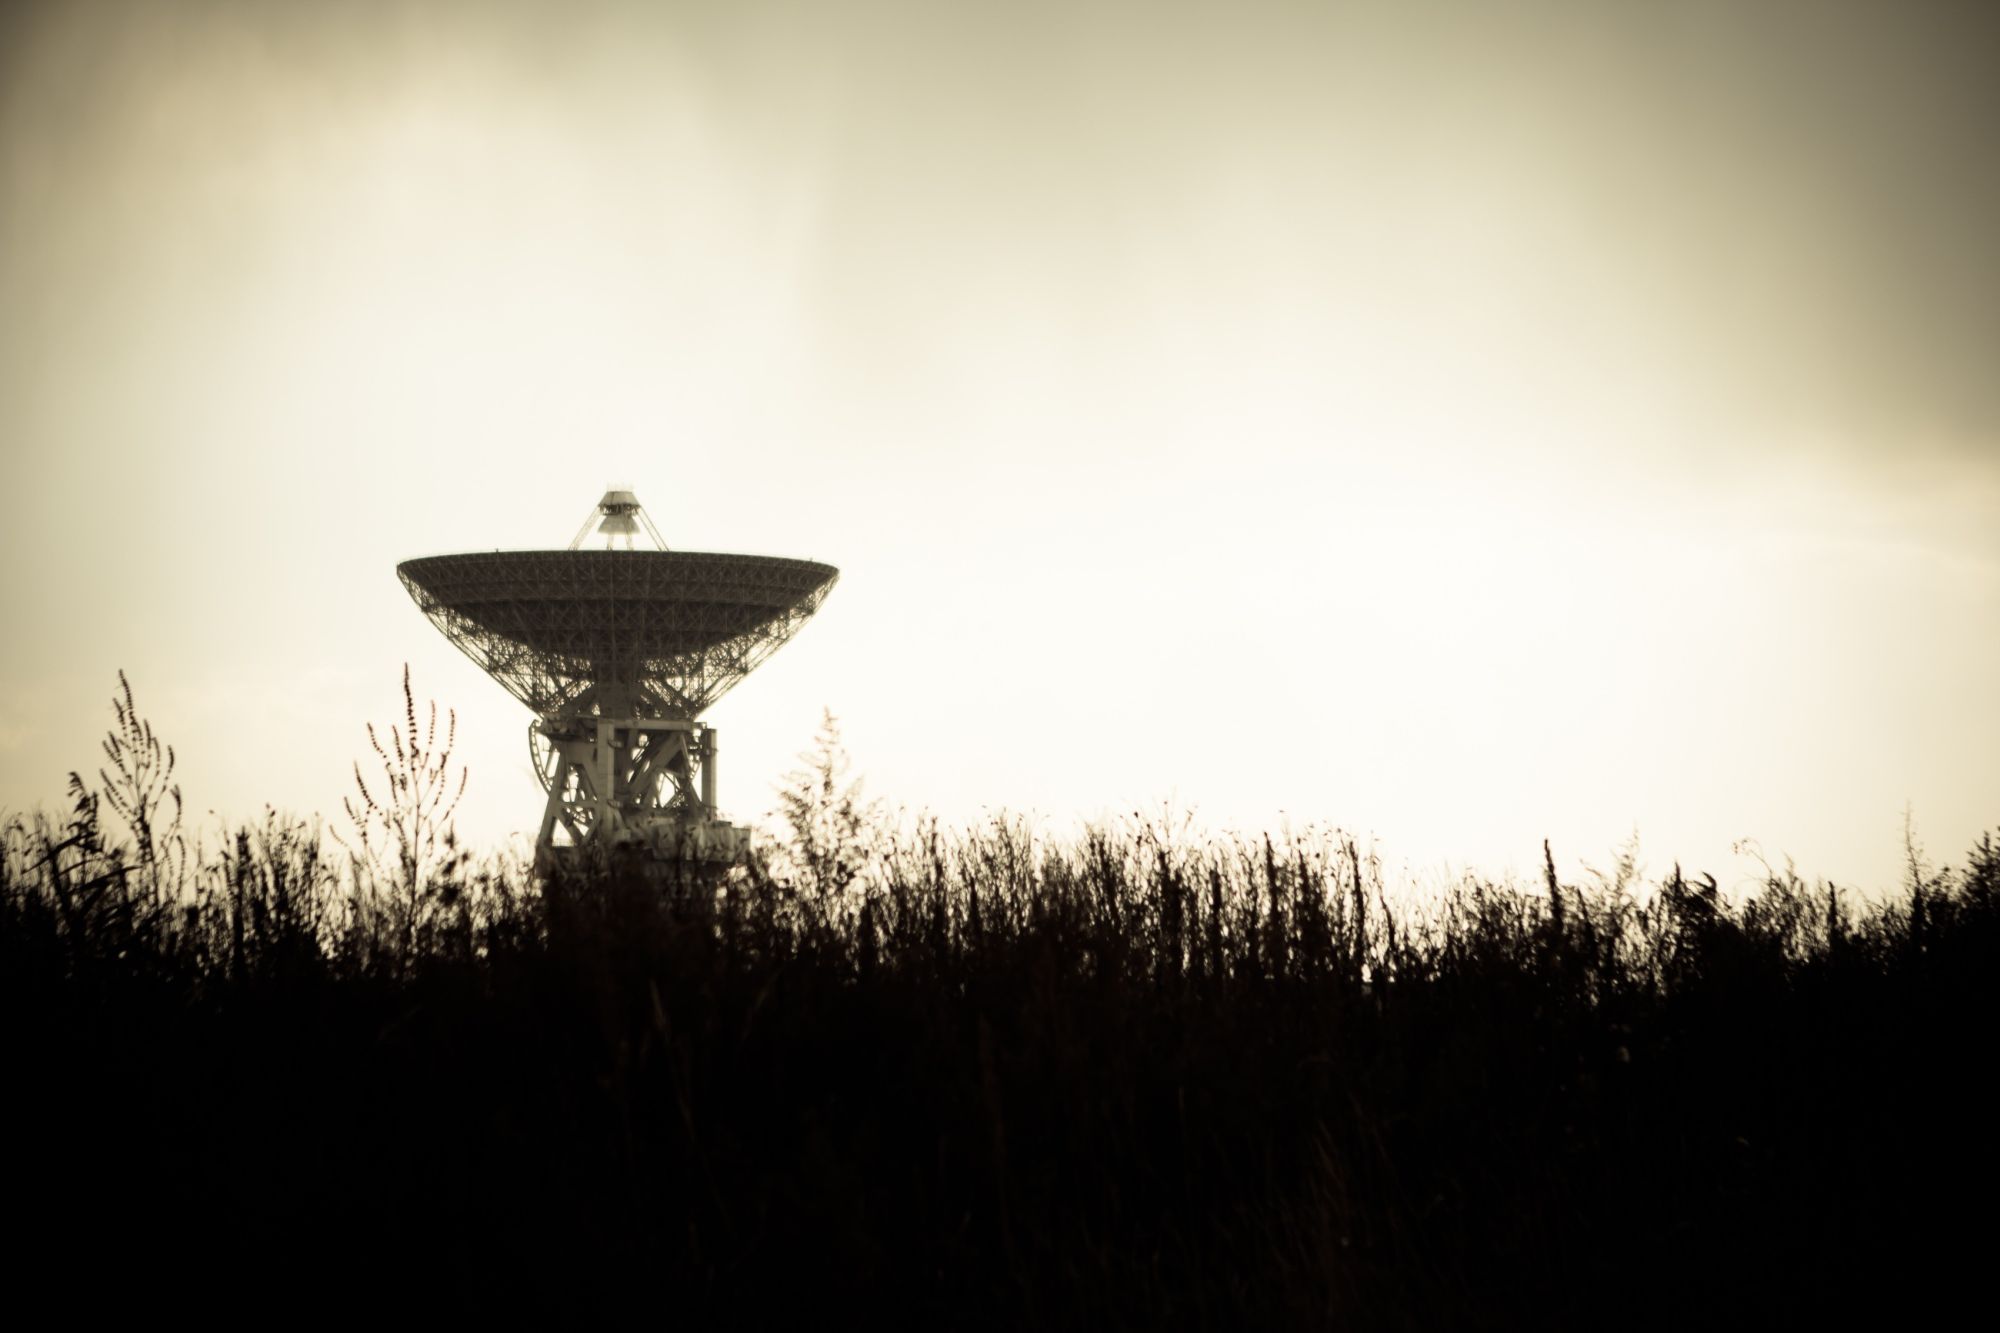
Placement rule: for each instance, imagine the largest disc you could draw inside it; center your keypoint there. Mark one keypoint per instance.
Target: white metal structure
(618, 648)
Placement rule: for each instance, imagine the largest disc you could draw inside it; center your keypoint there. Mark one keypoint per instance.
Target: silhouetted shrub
(985, 1078)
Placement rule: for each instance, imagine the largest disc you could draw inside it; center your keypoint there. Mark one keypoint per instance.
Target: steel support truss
(631, 784)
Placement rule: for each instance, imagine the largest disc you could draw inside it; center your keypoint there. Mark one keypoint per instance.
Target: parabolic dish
(663, 633)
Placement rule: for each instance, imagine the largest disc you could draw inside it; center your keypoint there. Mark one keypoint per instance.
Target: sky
(1462, 423)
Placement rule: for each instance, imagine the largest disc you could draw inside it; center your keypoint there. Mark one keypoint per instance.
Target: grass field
(980, 1078)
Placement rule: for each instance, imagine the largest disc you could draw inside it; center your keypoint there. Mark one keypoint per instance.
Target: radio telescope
(618, 645)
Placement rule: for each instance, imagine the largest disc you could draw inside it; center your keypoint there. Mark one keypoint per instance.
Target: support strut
(646, 784)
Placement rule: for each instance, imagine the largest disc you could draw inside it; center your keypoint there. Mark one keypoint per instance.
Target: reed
(984, 1077)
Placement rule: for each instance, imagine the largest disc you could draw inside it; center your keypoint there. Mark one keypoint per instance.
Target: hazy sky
(1467, 423)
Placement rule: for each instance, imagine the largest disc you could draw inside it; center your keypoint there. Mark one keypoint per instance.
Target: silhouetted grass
(984, 1078)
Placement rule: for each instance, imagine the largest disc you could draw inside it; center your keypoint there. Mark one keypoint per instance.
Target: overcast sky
(1466, 423)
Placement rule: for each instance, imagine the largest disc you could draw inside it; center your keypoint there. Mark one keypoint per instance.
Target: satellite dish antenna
(618, 645)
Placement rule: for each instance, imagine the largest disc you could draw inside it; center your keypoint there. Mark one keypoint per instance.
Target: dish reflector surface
(658, 633)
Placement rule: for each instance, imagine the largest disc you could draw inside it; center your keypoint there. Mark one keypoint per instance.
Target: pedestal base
(631, 788)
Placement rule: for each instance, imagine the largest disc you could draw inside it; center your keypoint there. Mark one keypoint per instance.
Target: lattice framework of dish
(658, 633)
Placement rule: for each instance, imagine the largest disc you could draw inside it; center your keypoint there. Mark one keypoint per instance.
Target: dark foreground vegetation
(1130, 1080)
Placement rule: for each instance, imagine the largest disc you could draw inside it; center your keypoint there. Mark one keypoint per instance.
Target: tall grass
(985, 1077)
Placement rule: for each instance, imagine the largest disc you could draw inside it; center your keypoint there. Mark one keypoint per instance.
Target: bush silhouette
(984, 1077)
